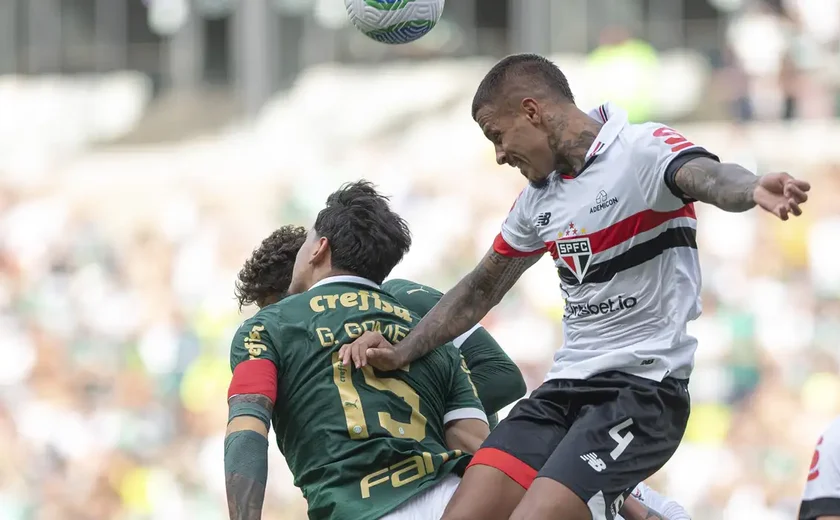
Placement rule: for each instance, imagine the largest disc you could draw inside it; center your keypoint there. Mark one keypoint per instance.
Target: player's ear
(321, 251)
(531, 109)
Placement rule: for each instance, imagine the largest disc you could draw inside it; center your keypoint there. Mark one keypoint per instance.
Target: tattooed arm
(466, 303)
(727, 186)
(733, 188)
(457, 311)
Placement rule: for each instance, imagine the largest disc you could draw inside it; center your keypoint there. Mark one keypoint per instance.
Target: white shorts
(428, 505)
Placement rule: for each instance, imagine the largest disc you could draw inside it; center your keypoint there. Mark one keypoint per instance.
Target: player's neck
(329, 273)
(574, 138)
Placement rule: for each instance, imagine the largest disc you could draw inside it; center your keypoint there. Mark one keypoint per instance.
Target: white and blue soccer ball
(394, 21)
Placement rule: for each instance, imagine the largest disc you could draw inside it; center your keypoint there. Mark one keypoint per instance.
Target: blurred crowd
(118, 308)
(782, 62)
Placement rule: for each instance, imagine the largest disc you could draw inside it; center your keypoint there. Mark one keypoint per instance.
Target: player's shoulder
(400, 286)
(274, 314)
(832, 433)
(638, 135)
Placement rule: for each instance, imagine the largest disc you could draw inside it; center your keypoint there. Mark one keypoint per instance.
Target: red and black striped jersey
(622, 236)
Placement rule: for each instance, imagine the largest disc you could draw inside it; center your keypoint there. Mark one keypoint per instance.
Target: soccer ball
(394, 21)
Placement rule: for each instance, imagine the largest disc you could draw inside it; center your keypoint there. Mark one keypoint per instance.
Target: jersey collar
(346, 278)
(614, 120)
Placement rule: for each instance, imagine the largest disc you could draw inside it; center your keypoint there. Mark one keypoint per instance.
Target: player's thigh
(485, 493)
(614, 445)
(510, 458)
(547, 498)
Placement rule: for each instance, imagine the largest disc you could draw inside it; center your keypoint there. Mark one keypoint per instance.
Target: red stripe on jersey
(603, 111)
(595, 150)
(503, 248)
(514, 468)
(254, 376)
(626, 229)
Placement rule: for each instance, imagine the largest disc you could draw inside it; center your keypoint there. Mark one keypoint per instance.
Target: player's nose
(500, 156)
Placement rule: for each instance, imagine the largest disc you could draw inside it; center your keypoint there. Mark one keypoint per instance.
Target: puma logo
(416, 290)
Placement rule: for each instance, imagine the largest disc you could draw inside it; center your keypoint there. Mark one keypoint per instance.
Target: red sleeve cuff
(501, 246)
(254, 376)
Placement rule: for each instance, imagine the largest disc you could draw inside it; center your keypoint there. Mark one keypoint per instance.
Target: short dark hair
(268, 272)
(366, 237)
(532, 70)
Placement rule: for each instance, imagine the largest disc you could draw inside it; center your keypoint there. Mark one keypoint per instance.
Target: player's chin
(536, 179)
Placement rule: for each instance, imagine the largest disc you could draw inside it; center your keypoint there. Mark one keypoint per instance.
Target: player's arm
(465, 304)
(465, 421)
(496, 377)
(251, 396)
(674, 172)
(514, 251)
(728, 186)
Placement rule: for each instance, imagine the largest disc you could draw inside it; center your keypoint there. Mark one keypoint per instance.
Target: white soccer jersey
(623, 241)
(822, 490)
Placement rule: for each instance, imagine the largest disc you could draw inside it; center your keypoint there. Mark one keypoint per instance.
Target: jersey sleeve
(519, 236)
(822, 489)
(496, 377)
(254, 340)
(658, 152)
(254, 358)
(462, 399)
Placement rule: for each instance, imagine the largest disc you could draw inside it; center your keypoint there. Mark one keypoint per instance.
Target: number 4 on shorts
(622, 440)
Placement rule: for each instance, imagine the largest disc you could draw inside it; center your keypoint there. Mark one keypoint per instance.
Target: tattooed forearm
(245, 497)
(466, 303)
(727, 186)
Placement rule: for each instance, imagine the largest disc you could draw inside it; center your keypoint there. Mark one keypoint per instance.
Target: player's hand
(781, 194)
(371, 348)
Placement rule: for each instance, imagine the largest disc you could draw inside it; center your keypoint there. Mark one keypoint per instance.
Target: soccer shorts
(429, 504)
(599, 437)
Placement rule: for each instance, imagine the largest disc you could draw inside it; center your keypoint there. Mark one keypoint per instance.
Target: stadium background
(147, 147)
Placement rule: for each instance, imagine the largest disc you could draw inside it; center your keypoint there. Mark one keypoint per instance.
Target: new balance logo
(543, 219)
(594, 461)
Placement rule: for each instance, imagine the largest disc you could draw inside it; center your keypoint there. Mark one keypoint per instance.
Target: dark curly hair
(268, 272)
(367, 238)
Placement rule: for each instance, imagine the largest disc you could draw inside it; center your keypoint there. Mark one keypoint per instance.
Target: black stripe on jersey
(678, 162)
(813, 509)
(636, 255)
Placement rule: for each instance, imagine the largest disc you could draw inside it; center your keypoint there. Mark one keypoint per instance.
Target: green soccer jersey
(497, 379)
(358, 442)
